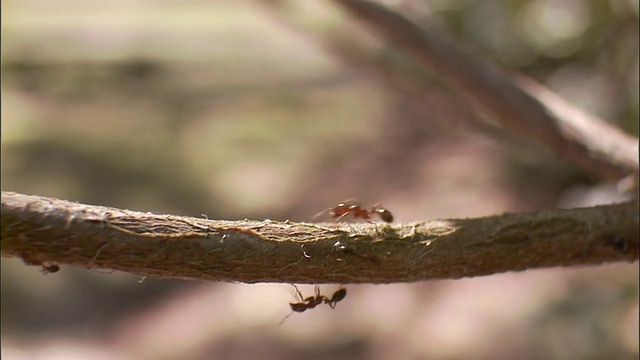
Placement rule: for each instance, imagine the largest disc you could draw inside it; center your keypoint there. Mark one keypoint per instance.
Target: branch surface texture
(44, 231)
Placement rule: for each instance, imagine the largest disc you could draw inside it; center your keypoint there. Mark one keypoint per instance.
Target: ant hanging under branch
(312, 301)
(358, 212)
(50, 268)
(337, 296)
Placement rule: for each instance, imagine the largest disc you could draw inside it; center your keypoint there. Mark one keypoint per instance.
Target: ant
(336, 297)
(33, 259)
(358, 212)
(50, 268)
(311, 302)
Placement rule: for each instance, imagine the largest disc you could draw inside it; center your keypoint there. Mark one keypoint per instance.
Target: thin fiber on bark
(45, 231)
(516, 102)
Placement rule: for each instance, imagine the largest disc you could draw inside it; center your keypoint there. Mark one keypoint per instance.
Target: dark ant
(50, 268)
(311, 302)
(358, 212)
(336, 297)
(33, 259)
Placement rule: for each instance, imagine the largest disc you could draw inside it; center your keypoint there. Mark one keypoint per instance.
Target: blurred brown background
(279, 109)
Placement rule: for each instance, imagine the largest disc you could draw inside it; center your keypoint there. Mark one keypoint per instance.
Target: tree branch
(516, 102)
(44, 231)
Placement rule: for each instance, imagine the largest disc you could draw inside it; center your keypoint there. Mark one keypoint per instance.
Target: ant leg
(341, 216)
(350, 201)
(319, 299)
(321, 213)
(285, 318)
(299, 293)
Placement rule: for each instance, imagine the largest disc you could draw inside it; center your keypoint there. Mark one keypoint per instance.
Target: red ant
(311, 302)
(358, 212)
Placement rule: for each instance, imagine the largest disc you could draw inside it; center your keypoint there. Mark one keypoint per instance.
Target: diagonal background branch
(516, 102)
(44, 231)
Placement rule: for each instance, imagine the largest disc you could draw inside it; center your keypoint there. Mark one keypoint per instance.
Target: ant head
(50, 268)
(384, 214)
(339, 295)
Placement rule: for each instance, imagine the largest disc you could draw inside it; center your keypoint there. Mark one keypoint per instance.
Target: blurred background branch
(516, 102)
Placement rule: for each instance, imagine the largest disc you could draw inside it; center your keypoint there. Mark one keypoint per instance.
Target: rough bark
(46, 231)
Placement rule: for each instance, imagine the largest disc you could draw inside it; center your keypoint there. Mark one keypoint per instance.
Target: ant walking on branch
(350, 207)
(311, 302)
